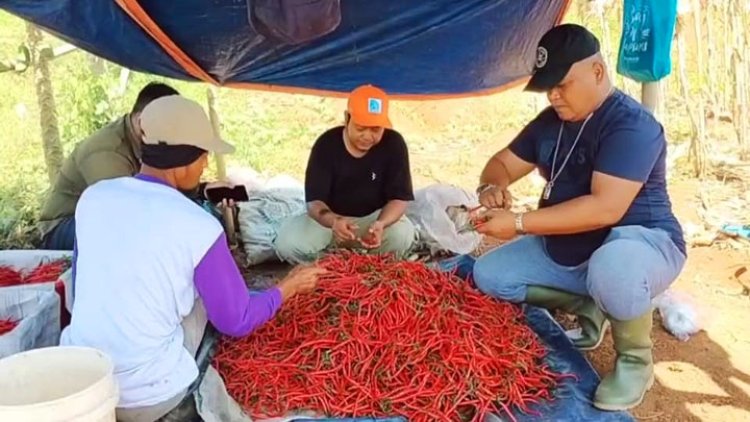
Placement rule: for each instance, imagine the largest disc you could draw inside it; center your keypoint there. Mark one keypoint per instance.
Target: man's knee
(494, 276)
(399, 237)
(301, 239)
(618, 281)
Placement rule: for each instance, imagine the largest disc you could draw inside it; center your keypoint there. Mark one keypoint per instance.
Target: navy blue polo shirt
(621, 139)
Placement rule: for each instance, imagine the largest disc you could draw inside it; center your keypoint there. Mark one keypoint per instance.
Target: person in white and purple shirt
(145, 287)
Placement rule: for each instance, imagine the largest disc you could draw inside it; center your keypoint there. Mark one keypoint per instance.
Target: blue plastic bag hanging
(646, 42)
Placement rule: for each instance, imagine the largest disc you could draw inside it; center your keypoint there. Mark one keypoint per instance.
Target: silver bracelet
(484, 187)
(519, 224)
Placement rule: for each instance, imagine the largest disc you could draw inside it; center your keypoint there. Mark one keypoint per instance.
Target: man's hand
(501, 171)
(496, 197)
(344, 230)
(500, 224)
(302, 279)
(374, 237)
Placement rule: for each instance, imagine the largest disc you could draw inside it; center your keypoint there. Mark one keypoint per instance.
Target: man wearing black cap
(604, 240)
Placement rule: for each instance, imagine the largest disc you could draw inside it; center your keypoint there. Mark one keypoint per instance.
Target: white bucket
(58, 384)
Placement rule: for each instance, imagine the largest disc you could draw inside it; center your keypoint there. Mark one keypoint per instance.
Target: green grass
(449, 140)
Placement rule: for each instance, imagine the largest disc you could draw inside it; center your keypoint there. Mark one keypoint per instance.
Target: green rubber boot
(591, 319)
(625, 387)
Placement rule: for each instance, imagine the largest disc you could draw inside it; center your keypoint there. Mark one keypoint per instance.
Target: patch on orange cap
(368, 106)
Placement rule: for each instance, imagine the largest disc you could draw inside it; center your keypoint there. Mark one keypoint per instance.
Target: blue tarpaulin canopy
(412, 49)
(436, 48)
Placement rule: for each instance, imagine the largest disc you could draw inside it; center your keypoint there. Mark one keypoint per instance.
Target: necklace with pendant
(554, 175)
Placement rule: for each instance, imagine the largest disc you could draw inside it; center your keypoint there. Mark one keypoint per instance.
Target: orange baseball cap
(368, 106)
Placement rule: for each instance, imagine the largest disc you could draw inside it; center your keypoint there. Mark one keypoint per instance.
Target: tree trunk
(40, 59)
(617, 10)
(713, 85)
(746, 72)
(697, 153)
(726, 86)
(739, 66)
(697, 21)
(602, 12)
(739, 108)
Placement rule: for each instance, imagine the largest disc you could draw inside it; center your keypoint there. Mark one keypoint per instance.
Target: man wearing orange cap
(357, 187)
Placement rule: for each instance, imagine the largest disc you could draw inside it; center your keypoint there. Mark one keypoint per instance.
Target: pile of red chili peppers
(7, 325)
(43, 273)
(381, 337)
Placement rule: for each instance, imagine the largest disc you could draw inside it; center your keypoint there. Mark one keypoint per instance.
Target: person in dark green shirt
(113, 151)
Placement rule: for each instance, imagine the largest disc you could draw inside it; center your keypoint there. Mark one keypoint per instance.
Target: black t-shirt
(356, 187)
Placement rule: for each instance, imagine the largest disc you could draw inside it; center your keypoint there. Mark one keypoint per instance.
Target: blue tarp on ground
(437, 47)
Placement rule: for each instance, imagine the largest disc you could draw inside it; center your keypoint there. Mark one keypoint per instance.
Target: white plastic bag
(28, 259)
(247, 177)
(436, 230)
(261, 217)
(36, 308)
(679, 313)
(255, 182)
(271, 202)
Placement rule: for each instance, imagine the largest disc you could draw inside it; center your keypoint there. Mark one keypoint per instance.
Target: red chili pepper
(9, 277)
(379, 338)
(47, 272)
(7, 325)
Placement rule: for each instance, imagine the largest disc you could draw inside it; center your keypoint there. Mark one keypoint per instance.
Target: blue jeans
(634, 265)
(62, 237)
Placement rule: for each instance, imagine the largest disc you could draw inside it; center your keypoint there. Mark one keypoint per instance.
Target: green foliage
(19, 199)
(85, 102)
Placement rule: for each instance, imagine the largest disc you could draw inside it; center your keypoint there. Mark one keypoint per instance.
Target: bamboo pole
(221, 169)
(63, 50)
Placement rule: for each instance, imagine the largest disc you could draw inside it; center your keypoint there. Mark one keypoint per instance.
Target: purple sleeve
(229, 305)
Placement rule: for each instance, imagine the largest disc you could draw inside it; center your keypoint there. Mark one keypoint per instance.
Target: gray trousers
(194, 326)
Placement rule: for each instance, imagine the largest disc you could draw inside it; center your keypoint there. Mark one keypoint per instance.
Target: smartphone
(237, 194)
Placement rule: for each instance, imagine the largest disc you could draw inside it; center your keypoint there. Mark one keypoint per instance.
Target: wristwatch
(519, 223)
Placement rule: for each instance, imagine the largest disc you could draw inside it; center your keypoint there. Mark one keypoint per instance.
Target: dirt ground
(706, 378)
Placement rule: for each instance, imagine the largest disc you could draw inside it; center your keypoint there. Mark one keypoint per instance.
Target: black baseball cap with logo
(559, 49)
